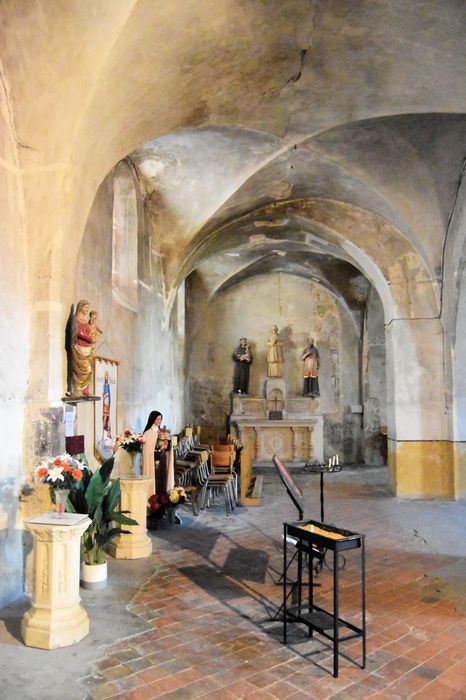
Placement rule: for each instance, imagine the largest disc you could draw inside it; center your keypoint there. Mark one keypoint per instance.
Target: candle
(329, 462)
(337, 460)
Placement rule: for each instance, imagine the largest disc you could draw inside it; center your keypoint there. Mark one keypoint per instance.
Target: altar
(275, 424)
(290, 427)
(297, 440)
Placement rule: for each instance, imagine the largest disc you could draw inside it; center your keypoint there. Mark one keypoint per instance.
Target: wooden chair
(223, 460)
(222, 447)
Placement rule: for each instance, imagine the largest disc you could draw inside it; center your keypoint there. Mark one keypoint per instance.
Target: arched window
(125, 239)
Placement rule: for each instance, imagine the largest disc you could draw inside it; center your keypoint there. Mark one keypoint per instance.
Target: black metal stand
(312, 536)
(322, 469)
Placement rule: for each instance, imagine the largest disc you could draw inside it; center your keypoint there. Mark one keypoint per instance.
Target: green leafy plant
(98, 496)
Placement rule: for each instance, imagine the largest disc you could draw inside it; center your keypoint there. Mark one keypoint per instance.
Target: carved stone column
(295, 444)
(56, 619)
(133, 498)
(310, 443)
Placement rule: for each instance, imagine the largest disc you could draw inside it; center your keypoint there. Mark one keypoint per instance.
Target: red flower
(42, 472)
(77, 474)
(66, 467)
(127, 432)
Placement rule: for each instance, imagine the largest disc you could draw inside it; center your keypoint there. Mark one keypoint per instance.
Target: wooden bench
(254, 492)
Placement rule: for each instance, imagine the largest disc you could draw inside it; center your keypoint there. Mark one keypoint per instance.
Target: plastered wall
(14, 368)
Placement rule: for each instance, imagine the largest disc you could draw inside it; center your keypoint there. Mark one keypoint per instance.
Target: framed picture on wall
(105, 416)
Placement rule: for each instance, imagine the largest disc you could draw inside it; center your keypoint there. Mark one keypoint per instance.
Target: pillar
(133, 498)
(56, 618)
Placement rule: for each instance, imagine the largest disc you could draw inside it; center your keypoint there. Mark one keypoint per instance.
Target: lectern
(312, 536)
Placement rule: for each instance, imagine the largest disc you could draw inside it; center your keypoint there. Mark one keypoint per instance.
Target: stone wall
(148, 343)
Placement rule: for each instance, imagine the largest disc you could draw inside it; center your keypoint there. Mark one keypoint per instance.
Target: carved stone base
(56, 618)
(137, 544)
(52, 629)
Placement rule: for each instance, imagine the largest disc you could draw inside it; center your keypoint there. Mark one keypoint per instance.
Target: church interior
(201, 171)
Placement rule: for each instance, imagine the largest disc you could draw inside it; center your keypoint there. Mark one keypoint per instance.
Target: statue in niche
(80, 339)
(242, 357)
(274, 354)
(311, 370)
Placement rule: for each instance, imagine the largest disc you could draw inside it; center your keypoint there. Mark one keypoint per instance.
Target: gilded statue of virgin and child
(80, 341)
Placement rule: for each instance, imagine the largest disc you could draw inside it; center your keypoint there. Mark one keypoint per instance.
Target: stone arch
(410, 296)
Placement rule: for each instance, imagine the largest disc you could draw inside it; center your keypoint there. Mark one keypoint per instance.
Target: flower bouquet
(62, 474)
(163, 439)
(177, 496)
(157, 504)
(164, 504)
(131, 442)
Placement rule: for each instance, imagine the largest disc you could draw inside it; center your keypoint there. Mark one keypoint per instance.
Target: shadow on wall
(11, 549)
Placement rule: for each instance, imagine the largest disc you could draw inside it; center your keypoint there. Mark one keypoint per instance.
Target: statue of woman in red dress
(80, 346)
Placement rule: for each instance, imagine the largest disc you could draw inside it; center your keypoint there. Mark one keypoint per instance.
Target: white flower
(55, 473)
(65, 458)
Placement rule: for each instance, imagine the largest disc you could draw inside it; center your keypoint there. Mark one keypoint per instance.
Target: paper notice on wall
(70, 420)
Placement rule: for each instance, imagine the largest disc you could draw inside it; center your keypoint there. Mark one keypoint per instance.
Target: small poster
(106, 386)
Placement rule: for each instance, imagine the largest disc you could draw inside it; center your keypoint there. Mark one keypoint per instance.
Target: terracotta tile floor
(212, 594)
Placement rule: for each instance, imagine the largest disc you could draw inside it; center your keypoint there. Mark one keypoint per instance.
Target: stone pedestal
(56, 619)
(133, 498)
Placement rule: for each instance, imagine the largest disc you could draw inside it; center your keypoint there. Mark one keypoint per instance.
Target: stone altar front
(297, 440)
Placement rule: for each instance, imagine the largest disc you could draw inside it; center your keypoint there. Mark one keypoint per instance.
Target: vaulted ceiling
(275, 134)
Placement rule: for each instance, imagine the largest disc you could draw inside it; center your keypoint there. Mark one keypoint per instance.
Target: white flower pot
(94, 576)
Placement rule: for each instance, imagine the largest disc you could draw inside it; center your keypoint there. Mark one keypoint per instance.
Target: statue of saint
(274, 354)
(311, 369)
(242, 357)
(80, 345)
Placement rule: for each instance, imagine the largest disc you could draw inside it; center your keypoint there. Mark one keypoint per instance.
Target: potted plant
(98, 496)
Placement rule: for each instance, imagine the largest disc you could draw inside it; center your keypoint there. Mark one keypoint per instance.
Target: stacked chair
(192, 468)
(222, 478)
